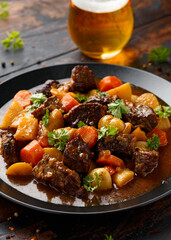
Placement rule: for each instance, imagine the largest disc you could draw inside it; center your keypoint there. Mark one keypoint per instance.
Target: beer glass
(100, 28)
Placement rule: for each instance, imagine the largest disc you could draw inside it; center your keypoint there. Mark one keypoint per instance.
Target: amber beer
(100, 28)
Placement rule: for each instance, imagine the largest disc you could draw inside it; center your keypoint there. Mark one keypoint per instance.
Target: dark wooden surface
(43, 26)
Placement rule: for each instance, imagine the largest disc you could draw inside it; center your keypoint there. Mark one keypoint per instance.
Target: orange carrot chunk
(108, 83)
(88, 134)
(23, 97)
(105, 158)
(68, 102)
(43, 141)
(32, 153)
(110, 169)
(161, 134)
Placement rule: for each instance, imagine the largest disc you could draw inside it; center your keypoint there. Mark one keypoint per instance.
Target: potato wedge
(17, 119)
(124, 91)
(123, 177)
(54, 152)
(163, 124)
(19, 169)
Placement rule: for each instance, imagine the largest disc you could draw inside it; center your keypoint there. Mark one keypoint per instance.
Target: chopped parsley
(154, 142)
(159, 54)
(37, 99)
(13, 40)
(81, 98)
(46, 118)
(103, 94)
(108, 237)
(87, 181)
(81, 124)
(118, 108)
(107, 131)
(4, 7)
(58, 139)
(163, 111)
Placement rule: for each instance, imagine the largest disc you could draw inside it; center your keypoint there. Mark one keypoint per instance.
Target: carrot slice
(68, 102)
(105, 158)
(161, 134)
(32, 153)
(23, 97)
(108, 83)
(88, 134)
(43, 141)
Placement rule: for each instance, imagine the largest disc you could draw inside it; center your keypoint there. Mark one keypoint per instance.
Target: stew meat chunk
(102, 99)
(47, 87)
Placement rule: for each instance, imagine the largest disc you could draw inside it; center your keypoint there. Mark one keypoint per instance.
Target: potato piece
(27, 129)
(128, 128)
(54, 152)
(141, 144)
(124, 91)
(121, 178)
(17, 119)
(163, 124)
(147, 99)
(133, 98)
(139, 134)
(111, 121)
(14, 109)
(59, 94)
(19, 169)
(56, 120)
(92, 92)
(104, 121)
(104, 177)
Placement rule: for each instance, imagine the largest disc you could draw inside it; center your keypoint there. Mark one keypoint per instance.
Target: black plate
(157, 85)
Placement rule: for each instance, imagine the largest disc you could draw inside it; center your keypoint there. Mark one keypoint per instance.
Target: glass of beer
(100, 28)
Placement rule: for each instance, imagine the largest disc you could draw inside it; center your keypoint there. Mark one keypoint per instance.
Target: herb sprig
(13, 40)
(108, 237)
(81, 98)
(37, 99)
(159, 54)
(107, 131)
(103, 94)
(87, 181)
(118, 108)
(163, 111)
(4, 10)
(46, 118)
(154, 142)
(81, 124)
(58, 139)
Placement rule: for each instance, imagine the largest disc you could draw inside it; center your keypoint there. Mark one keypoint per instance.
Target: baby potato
(111, 121)
(163, 124)
(128, 128)
(147, 99)
(104, 121)
(123, 177)
(104, 177)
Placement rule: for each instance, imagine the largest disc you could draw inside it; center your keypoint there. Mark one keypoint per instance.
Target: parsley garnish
(13, 40)
(46, 118)
(81, 98)
(103, 94)
(87, 181)
(108, 237)
(81, 124)
(118, 108)
(163, 111)
(4, 7)
(107, 131)
(37, 99)
(159, 54)
(58, 139)
(154, 142)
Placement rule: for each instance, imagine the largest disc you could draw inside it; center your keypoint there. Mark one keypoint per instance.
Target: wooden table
(43, 26)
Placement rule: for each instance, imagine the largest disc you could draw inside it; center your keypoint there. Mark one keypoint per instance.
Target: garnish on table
(108, 237)
(154, 142)
(58, 139)
(159, 54)
(118, 108)
(81, 98)
(81, 124)
(13, 40)
(4, 7)
(107, 131)
(163, 111)
(37, 99)
(87, 181)
(46, 118)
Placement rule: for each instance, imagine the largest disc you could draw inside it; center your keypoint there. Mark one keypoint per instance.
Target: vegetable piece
(58, 139)
(92, 92)
(88, 180)
(4, 10)
(88, 134)
(128, 128)
(46, 118)
(159, 54)
(133, 98)
(56, 92)
(105, 158)
(23, 97)
(108, 237)
(68, 102)
(110, 121)
(37, 99)
(122, 177)
(19, 169)
(32, 153)
(55, 120)
(13, 40)
(14, 109)
(153, 142)
(147, 99)
(17, 119)
(108, 83)
(110, 169)
(107, 131)
(139, 134)
(27, 129)
(163, 111)
(161, 134)
(54, 153)
(124, 91)
(81, 124)
(163, 124)
(43, 141)
(81, 98)
(141, 144)
(118, 108)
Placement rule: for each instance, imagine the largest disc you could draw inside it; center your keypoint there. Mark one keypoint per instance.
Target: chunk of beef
(89, 113)
(77, 155)
(47, 87)
(10, 148)
(51, 103)
(82, 79)
(145, 161)
(102, 99)
(121, 145)
(56, 174)
(143, 117)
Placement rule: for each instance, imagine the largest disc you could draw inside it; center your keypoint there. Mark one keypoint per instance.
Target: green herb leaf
(103, 94)
(159, 54)
(163, 111)
(81, 124)
(154, 142)
(107, 131)
(13, 40)
(46, 118)
(37, 99)
(87, 181)
(4, 7)
(58, 139)
(118, 108)
(107, 237)
(81, 98)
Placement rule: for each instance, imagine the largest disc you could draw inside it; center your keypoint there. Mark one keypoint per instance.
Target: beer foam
(100, 6)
